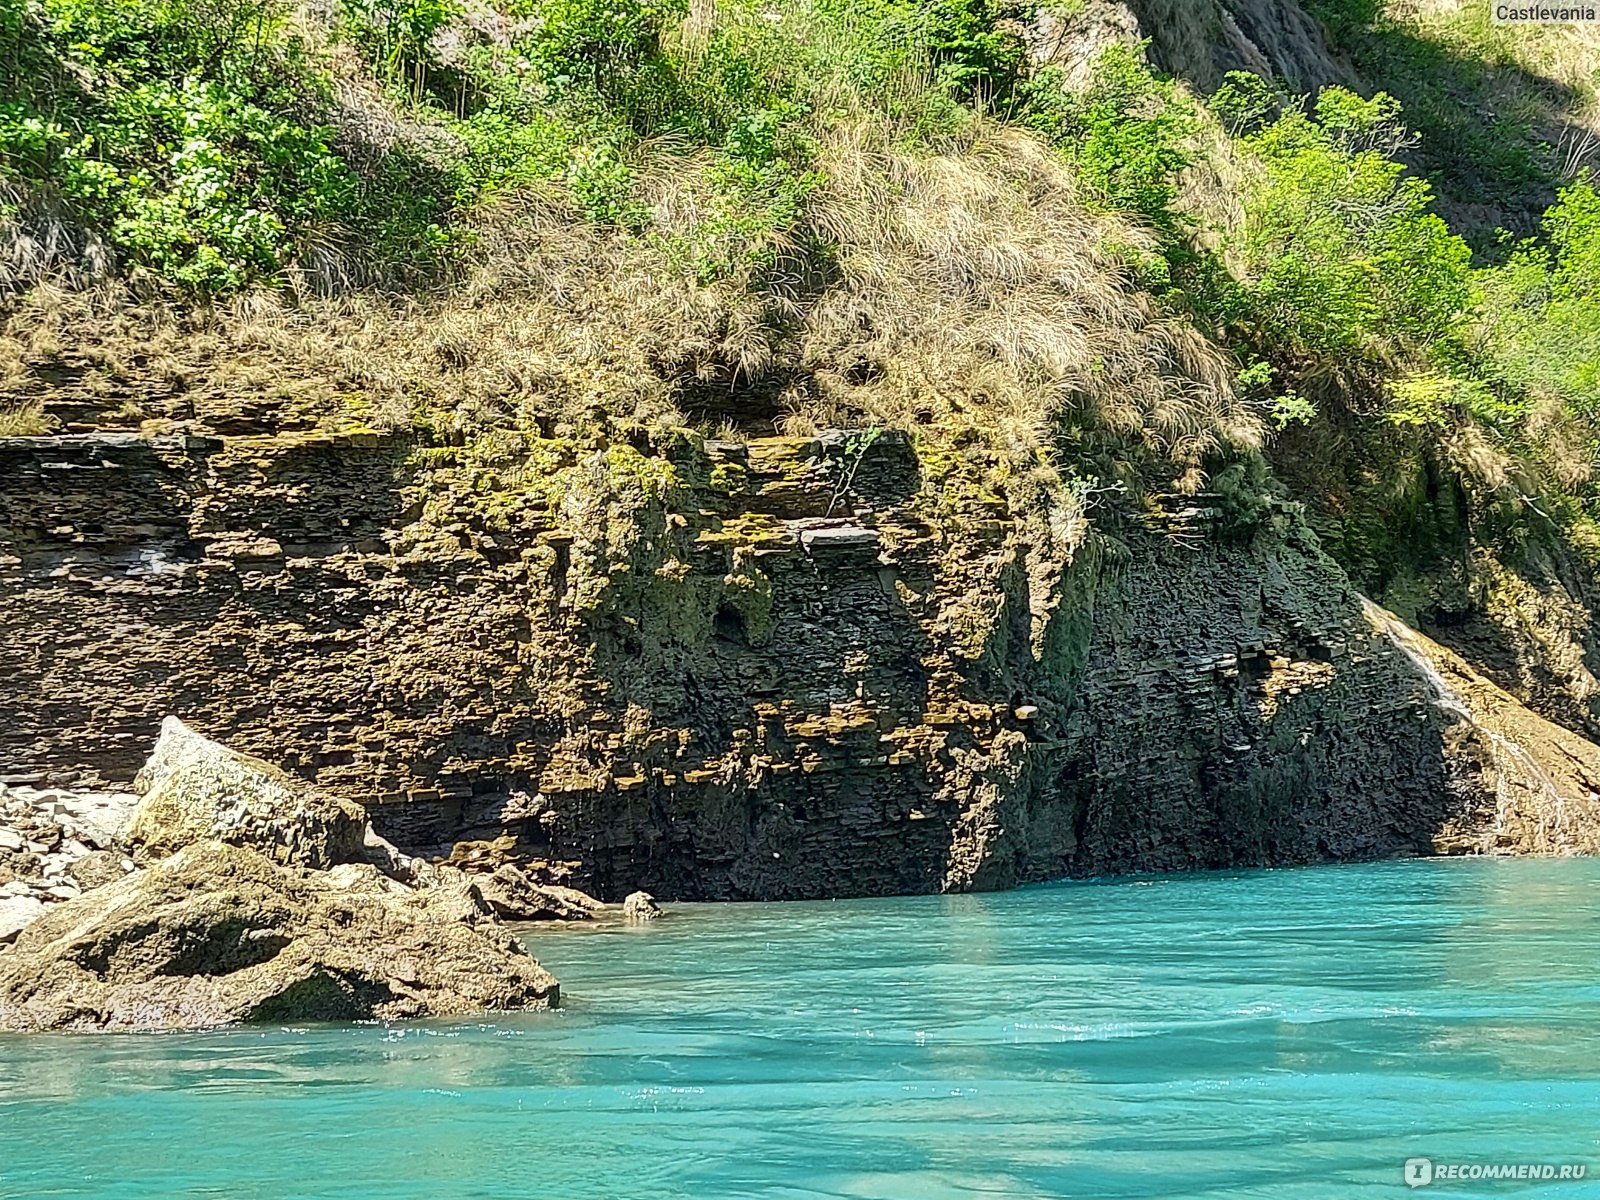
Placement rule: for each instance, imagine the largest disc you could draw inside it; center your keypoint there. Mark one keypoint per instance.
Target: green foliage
(1573, 226)
(1244, 492)
(1244, 103)
(855, 453)
(973, 54)
(1479, 111)
(1124, 133)
(1282, 407)
(190, 135)
(200, 138)
(397, 35)
(1339, 259)
(602, 185)
(1435, 399)
(1541, 310)
(1340, 248)
(605, 53)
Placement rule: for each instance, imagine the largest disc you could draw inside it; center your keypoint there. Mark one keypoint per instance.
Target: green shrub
(972, 53)
(1340, 248)
(193, 140)
(397, 36)
(1124, 133)
(1541, 311)
(604, 51)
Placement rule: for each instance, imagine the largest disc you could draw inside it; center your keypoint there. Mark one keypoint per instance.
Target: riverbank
(230, 892)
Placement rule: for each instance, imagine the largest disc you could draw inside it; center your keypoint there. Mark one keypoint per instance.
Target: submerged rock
(640, 906)
(218, 934)
(195, 789)
(515, 897)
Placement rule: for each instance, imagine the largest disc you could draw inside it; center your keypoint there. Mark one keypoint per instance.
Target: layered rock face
(1536, 783)
(781, 668)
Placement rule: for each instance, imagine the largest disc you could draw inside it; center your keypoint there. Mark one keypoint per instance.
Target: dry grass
(1567, 56)
(980, 291)
(25, 420)
(959, 291)
(962, 290)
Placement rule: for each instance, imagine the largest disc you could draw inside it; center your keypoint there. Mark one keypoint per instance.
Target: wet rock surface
(218, 934)
(1526, 785)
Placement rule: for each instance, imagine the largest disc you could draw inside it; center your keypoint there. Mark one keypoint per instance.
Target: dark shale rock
(219, 934)
(667, 688)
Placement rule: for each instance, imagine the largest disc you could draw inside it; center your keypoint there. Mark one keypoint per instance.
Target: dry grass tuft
(982, 293)
(25, 420)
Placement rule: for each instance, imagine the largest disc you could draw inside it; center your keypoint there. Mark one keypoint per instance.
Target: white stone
(16, 914)
(10, 839)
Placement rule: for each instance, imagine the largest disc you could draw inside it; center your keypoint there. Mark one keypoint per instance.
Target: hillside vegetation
(454, 217)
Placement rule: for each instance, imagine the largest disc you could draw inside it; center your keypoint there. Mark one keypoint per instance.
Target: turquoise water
(1256, 1034)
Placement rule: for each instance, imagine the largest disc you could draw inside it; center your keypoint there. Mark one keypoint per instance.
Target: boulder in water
(640, 906)
(515, 897)
(195, 789)
(219, 934)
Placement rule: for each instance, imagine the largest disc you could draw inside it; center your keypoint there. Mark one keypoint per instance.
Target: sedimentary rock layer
(787, 667)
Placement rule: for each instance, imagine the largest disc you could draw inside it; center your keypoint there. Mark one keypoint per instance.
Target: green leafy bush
(1541, 311)
(1340, 249)
(1124, 132)
(397, 35)
(191, 135)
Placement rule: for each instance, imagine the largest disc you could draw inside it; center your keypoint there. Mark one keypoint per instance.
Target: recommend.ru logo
(1420, 1172)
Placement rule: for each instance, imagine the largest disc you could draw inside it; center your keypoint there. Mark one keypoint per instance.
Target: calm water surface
(1259, 1034)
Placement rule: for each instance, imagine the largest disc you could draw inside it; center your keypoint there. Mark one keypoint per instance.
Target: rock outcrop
(195, 789)
(634, 654)
(276, 904)
(1197, 40)
(1528, 785)
(640, 906)
(55, 844)
(515, 897)
(218, 934)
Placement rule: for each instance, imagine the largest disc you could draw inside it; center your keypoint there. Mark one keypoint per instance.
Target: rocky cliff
(769, 668)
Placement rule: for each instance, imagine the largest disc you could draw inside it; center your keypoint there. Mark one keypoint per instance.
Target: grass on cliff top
(1506, 113)
(459, 217)
(565, 210)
